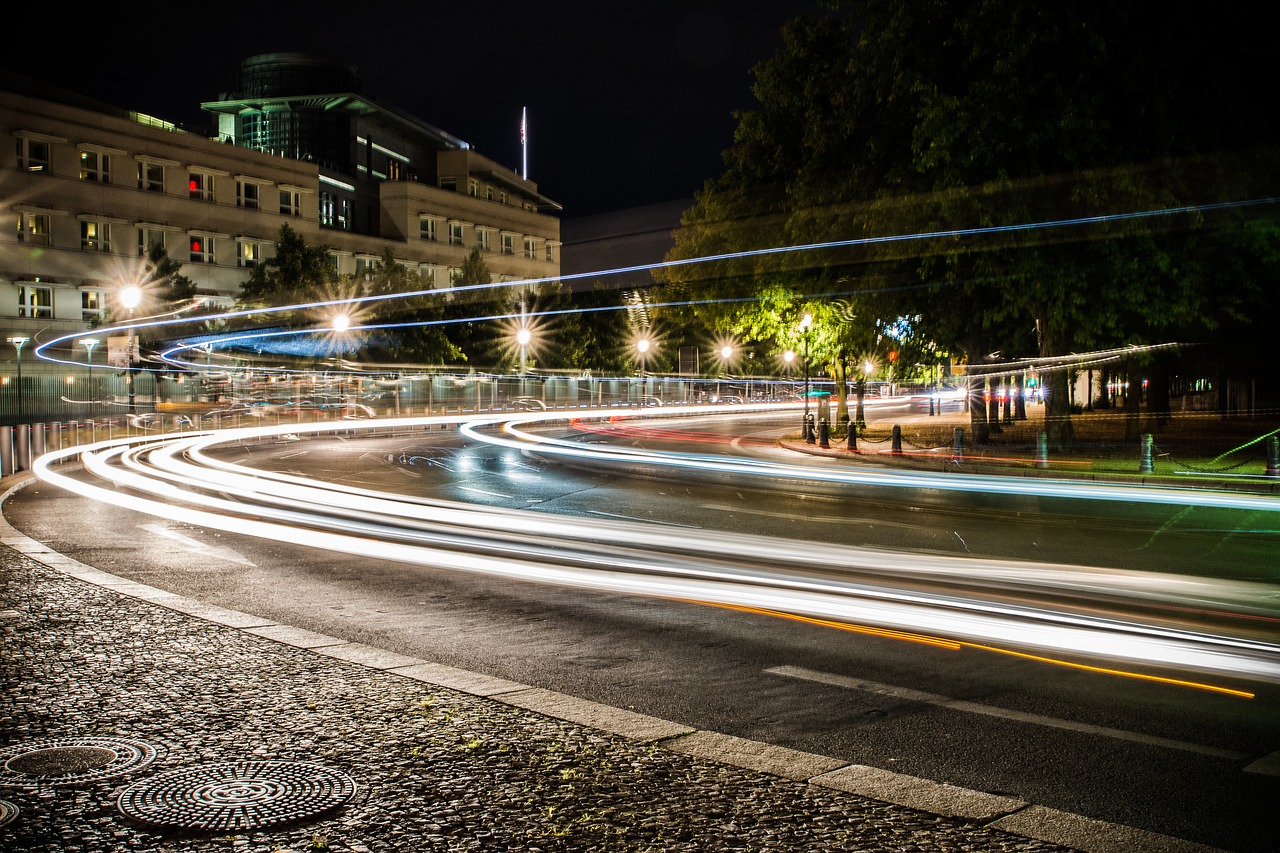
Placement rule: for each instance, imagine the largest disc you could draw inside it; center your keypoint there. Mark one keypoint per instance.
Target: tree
(928, 139)
(474, 311)
(418, 335)
(295, 274)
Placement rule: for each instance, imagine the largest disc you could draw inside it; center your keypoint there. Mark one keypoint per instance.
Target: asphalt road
(1155, 756)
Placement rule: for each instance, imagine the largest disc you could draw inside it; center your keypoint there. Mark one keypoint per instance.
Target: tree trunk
(978, 412)
(1059, 433)
(1020, 401)
(993, 407)
(1132, 403)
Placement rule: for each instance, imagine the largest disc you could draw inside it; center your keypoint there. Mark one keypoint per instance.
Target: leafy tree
(420, 337)
(474, 311)
(926, 138)
(296, 273)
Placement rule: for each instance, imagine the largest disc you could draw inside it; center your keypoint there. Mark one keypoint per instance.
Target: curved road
(1154, 754)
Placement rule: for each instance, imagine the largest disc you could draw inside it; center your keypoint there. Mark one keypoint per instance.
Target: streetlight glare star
(341, 323)
(131, 296)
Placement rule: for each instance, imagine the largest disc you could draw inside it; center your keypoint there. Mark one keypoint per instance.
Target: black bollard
(808, 429)
(1273, 457)
(852, 442)
(1042, 449)
(897, 440)
(957, 444)
(824, 434)
(1147, 463)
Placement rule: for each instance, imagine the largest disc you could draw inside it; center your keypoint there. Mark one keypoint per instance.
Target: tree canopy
(1012, 177)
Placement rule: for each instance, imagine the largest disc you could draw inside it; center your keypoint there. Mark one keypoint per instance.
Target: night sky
(629, 104)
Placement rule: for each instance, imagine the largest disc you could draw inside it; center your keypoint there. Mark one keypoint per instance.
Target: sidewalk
(135, 720)
(1184, 455)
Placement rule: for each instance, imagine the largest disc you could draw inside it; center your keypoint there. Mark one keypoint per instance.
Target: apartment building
(90, 187)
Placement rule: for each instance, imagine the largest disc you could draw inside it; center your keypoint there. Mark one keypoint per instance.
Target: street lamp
(806, 323)
(642, 347)
(89, 344)
(129, 298)
(726, 353)
(18, 341)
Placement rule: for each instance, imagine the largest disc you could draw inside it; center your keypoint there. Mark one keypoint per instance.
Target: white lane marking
(197, 547)
(637, 518)
(483, 492)
(992, 711)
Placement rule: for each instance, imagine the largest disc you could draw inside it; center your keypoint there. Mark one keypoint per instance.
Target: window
(247, 195)
(482, 239)
(35, 302)
(508, 244)
(200, 185)
(90, 304)
(473, 188)
(201, 249)
(149, 236)
(427, 228)
(365, 266)
(450, 184)
(455, 233)
(34, 228)
(291, 202)
(428, 273)
(551, 252)
(95, 236)
(248, 253)
(530, 248)
(33, 154)
(488, 193)
(335, 211)
(95, 166)
(150, 176)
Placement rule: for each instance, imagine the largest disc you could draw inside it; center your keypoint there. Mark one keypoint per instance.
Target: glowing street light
(726, 353)
(18, 341)
(643, 346)
(129, 298)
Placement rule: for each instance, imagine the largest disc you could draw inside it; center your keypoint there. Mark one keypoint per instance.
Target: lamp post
(89, 344)
(129, 298)
(18, 341)
(806, 323)
(726, 353)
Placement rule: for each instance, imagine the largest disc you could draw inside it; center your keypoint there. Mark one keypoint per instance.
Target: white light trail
(178, 478)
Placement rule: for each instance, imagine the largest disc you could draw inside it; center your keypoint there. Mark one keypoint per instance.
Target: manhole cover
(237, 795)
(68, 761)
(8, 811)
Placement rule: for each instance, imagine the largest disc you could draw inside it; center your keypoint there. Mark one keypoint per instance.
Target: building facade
(90, 187)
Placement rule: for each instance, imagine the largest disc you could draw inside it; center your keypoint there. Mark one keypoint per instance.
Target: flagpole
(524, 141)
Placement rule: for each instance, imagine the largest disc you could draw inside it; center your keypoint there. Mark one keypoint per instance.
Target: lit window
(90, 304)
(35, 302)
(34, 228)
(427, 227)
(33, 155)
(247, 195)
(248, 254)
(201, 249)
(200, 185)
(95, 166)
(150, 176)
(95, 236)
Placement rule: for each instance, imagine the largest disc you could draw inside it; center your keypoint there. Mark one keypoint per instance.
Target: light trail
(180, 478)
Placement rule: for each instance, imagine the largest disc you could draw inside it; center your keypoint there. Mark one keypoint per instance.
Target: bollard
(23, 460)
(897, 440)
(1042, 449)
(957, 444)
(1147, 465)
(37, 442)
(1273, 457)
(931, 406)
(55, 436)
(73, 433)
(808, 429)
(6, 451)
(852, 443)
(824, 434)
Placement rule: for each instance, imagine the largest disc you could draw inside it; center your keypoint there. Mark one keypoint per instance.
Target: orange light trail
(957, 645)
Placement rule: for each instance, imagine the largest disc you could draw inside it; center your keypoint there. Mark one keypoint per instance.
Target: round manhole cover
(237, 795)
(67, 761)
(8, 811)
